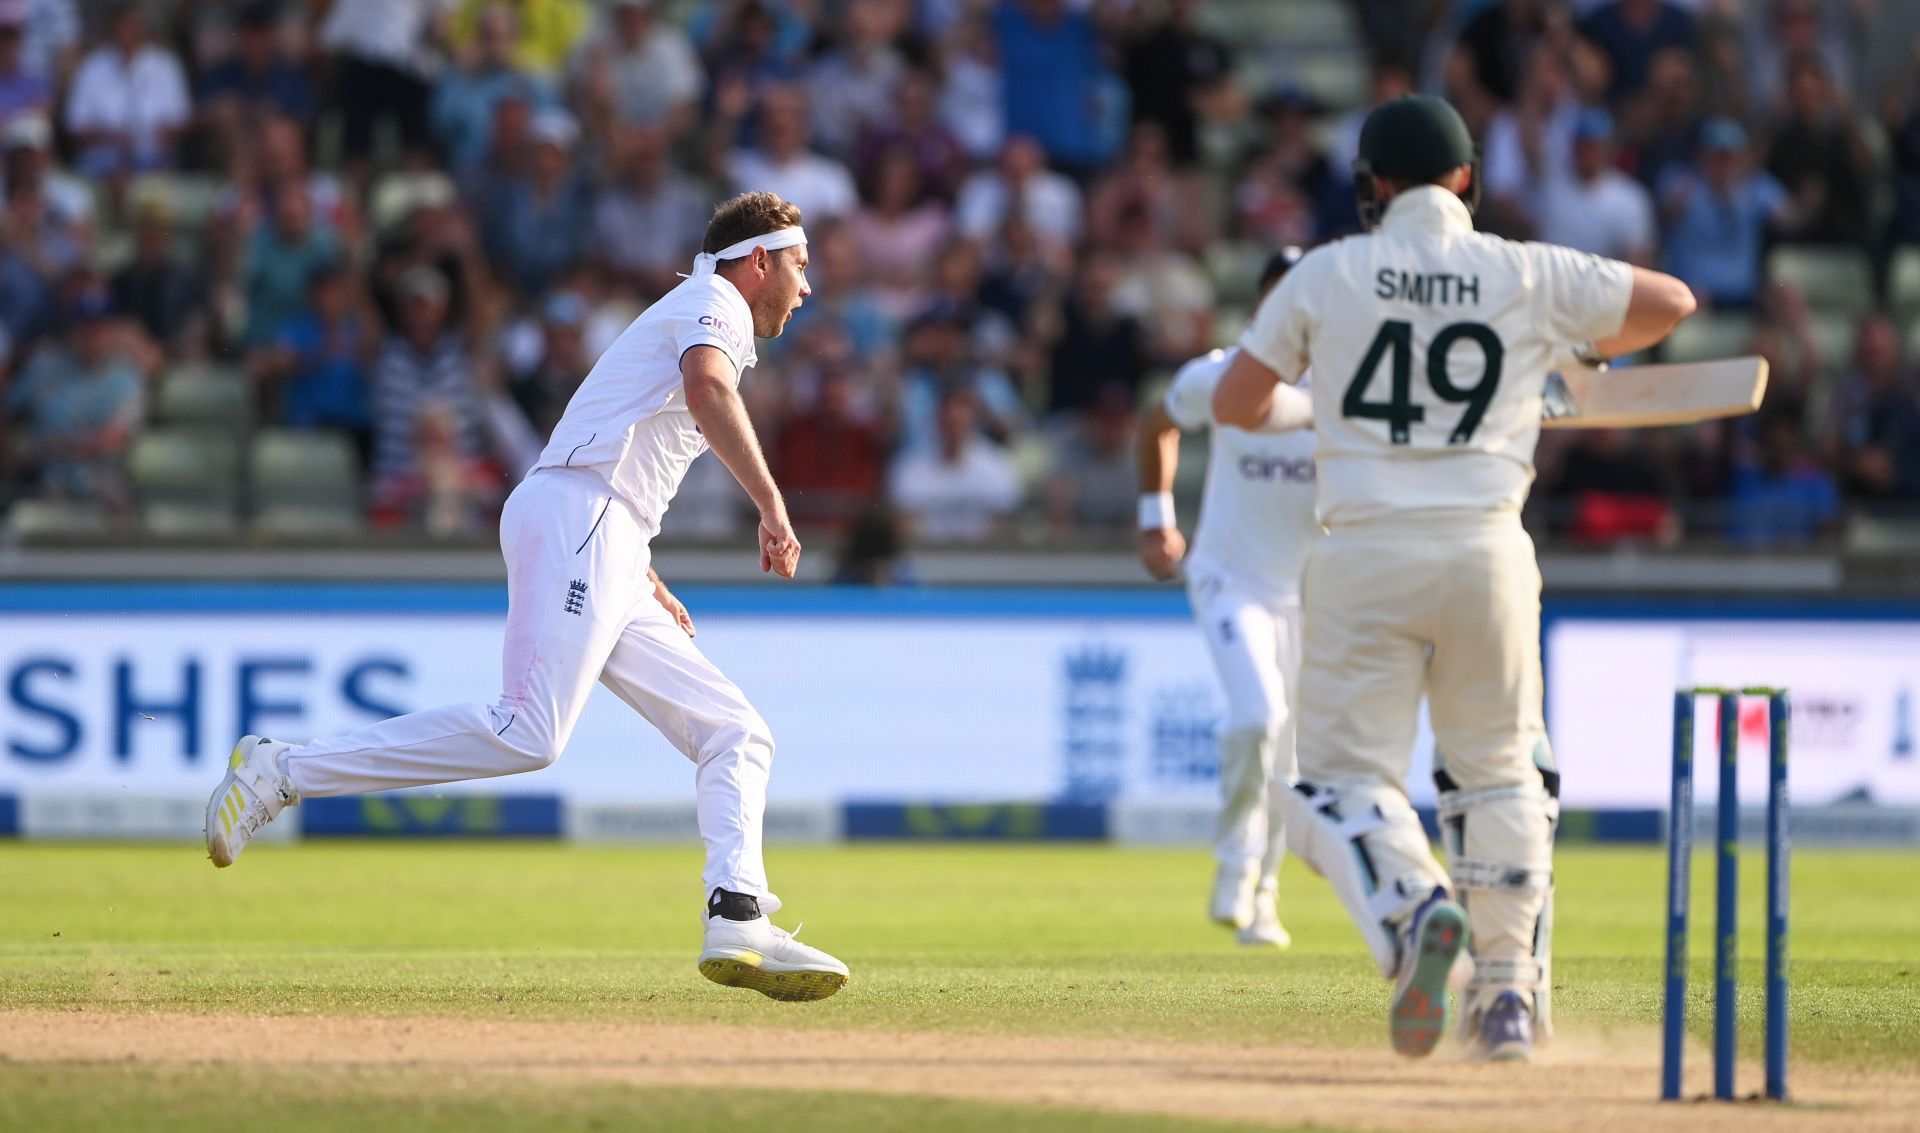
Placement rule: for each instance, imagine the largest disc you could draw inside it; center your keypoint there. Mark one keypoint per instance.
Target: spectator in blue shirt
(21, 89)
(283, 254)
(1781, 498)
(1630, 33)
(319, 357)
(463, 102)
(258, 78)
(81, 402)
(536, 226)
(1058, 91)
(1718, 213)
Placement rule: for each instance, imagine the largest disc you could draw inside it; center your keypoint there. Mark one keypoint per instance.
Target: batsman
(1430, 346)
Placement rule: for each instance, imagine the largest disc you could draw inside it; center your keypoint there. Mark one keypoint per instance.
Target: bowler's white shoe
(1233, 886)
(1265, 930)
(754, 954)
(254, 792)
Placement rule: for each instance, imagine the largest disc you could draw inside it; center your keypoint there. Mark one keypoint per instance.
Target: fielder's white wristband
(1156, 511)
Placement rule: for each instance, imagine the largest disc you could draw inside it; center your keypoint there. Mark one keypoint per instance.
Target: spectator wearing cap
(1630, 33)
(22, 89)
(385, 52)
(282, 254)
(543, 389)
(851, 89)
(159, 289)
(537, 225)
(1819, 156)
(29, 168)
(641, 69)
(1047, 202)
(424, 360)
(1598, 209)
(783, 163)
(647, 220)
(1058, 89)
(128, 102)
(962, 488)
(464, 98)
(1720, 210)
(259, 77)
(80, 401)
(314, 371)
(1173, 70)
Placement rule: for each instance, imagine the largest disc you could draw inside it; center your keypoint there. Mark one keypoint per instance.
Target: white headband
(705, 262)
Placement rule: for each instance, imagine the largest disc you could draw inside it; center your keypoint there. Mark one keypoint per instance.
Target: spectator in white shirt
(641, 69)
(961, 490)
(648, 220)
(1049, 202)
(852, 87)
(782, 163)
(1599, 209)
(128, 102)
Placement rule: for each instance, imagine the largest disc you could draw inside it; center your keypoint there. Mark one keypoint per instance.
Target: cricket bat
(1637, 397)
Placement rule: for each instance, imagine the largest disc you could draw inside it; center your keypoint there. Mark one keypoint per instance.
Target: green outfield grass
(1096, 940)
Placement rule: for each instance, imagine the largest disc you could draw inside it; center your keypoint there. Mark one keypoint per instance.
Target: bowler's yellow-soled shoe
(256, 789)
(757, 956)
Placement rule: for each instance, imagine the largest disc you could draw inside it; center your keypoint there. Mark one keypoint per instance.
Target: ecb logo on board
(1094, 736)
(1183, 752)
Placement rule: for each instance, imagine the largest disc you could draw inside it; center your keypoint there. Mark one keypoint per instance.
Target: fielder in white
(1430, 346)
(584, 605)
(1243, 579)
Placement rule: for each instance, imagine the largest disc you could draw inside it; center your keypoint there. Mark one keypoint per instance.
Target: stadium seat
(1833, 337)
(1830, 279)
(1903, 284)
(1233, 267)
(1875, 535)
(183, 464)
(1305, 22)
(169, 519)
(397, 194)
(207, 396)
(1710, 335)
(289, 466)
(1339, 79)
(1033, 460)
(187, 199)
(59, 519)
(308, 522)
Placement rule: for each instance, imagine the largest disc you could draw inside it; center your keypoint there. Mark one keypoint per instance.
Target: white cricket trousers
(1255, 645)
(579, 609)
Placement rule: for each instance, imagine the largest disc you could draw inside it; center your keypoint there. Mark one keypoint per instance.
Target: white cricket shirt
(1257, 511)
(1430, 345)
(628, 421)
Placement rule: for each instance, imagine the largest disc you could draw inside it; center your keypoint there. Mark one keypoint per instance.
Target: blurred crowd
(317, 269)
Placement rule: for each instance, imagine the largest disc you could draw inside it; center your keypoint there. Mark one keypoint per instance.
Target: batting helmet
(1416, 137)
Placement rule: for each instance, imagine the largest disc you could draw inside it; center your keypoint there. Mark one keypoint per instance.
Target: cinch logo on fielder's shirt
(724, 328)
(1277, 468)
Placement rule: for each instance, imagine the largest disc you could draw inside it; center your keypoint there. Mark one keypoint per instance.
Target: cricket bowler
(585, 605)
(1243, 580)
(1430, 346)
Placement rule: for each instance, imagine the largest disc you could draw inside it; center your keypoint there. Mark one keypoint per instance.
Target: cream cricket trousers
(579, 610)
(1448, 606)
(1255, 644)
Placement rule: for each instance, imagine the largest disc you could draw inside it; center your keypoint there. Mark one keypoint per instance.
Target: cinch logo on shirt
(1277, 468)
(724, 328)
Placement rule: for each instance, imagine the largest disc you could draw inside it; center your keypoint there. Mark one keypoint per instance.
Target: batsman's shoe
(1265, 929)
(756, 955)
(1435, 936)
(1504, 1032)
(253, 794)
(1233, 886)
